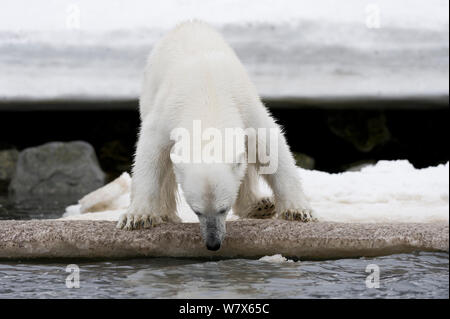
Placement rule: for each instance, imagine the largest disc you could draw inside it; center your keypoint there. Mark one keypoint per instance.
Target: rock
(364, 130)
(304, 161)
(249, 238)
(57, 168)
(8, 161)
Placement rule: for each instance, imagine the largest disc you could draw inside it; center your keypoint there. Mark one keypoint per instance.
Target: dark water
(42, 207)
(421, 275)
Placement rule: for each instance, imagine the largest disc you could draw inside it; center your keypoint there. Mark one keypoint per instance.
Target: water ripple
(420, 275)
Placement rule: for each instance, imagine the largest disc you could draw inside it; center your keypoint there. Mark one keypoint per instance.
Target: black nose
(213, 244)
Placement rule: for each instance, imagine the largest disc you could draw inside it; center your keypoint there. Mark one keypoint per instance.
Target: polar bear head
(210, 189)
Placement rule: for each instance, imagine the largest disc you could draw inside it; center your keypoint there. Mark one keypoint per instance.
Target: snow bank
(97, 49)
(132, 14)
(388, 192)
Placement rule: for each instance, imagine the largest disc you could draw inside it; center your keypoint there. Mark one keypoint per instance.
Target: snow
(97, 49)
(389, 191)
(131, 14)
(276, 259)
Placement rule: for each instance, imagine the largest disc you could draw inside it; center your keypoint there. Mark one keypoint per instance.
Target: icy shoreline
(388, 192)
(247, 238)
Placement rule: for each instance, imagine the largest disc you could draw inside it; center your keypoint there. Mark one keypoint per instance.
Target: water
(43, 207)
(421, 275)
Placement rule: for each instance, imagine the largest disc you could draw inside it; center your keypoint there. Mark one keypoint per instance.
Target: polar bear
(192, 75)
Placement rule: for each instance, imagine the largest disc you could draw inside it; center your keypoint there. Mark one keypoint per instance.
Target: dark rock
(304, 161)
(116, 157)
(358, 166)
(57, 168)
(8, 161)
(364, 130)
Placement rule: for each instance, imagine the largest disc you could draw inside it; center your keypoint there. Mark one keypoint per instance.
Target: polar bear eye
(222, 211)
(197, 213)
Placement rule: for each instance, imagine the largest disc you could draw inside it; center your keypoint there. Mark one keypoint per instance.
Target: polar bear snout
(213, 237)
(213, 231)
(212, 243)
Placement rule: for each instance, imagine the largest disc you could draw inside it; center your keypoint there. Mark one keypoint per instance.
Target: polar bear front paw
(138, 221)
(302, 215)
(263, 209)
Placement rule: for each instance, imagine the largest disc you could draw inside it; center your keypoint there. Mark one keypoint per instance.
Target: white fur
(192, 74)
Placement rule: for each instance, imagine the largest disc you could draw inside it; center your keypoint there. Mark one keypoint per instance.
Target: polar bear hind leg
(290, 200)
(250, 203)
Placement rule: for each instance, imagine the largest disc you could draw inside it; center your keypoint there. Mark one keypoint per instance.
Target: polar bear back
(189, 39)
(168, 62)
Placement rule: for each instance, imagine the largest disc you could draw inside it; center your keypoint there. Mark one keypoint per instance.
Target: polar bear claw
(302, 215)
(263, 209)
